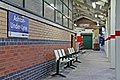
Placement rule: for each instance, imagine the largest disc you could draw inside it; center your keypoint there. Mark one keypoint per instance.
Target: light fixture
(100, 7)
(96, 15)
(75, 24)
(98, 23)
(94, 4)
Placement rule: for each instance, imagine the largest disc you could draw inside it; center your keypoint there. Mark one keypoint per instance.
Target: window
(65, 11)
(48, 12)
(34, 6)
(58, 17)
(59, 5)
(70, 4)
(66, 2)
(65, 21)
(17, 2)
(51, 2)
(70, 14)
(70, 24)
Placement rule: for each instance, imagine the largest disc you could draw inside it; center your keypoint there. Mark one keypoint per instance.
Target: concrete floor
(94, 66)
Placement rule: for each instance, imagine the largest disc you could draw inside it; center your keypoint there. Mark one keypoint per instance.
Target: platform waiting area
(94, 66)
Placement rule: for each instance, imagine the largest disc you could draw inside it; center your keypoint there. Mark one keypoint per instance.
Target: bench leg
(57, 70)
(58, 74)
(72, 64)
(76, 60)
(68, 66)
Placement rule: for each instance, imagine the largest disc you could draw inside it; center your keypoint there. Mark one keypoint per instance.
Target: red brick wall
(13, 58)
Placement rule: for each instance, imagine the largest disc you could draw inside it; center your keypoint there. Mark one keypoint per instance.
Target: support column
(106, 36)
(117, 46)
(112, 33)
(107, 42)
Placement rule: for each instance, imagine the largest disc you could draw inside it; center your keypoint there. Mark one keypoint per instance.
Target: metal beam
(88, 11)
(86, 5)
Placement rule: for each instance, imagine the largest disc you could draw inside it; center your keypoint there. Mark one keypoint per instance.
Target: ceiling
(84, 8)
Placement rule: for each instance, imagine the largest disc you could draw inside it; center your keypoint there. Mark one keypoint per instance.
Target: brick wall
(33, 58)
(38, 30)
(3, 24)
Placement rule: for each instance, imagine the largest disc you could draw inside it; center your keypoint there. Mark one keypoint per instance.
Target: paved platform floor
(94, 66)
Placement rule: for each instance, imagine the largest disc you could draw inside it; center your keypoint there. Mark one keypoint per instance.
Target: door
(87, 41)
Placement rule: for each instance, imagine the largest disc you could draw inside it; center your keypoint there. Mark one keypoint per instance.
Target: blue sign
(17, 25)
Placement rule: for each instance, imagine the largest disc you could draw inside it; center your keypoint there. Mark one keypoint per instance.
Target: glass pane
(65, 10)
(17, 2)
(59, 5)
(58, 17)
(34, 6)
(66, 2)
(49, 1)
(70, 14)
(70, 24)
(65, 21)
(48, 12)
(70, 4)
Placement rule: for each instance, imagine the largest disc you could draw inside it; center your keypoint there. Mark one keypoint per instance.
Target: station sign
(17, 25)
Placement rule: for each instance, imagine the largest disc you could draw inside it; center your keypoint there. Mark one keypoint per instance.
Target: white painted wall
(117, 45)
(112, 32)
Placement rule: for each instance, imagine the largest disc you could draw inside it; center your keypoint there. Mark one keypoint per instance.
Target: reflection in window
(65, 11)
(70, 24)
(34, 6)
(66, 2)
(65, 21)
(58, 17)
(50, 2)
(70, 14)
(48, 12)
(17, 2)
(59, 5)
(70, 4)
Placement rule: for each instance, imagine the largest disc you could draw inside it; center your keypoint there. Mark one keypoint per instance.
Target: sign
(17, 25)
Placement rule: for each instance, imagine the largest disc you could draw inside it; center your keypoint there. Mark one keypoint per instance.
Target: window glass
(65, 21)
(34, 5)
(48, 12)
(70, 24)
(58, 17)
(70, 4)
(49, 1)
(17, 2)
(59, 5)
(70, 14)
(66, 2)
(65, 11)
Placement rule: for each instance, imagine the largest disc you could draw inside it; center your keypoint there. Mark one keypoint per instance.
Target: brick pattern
(35, 72)
(38, 30)
(29, 59)
(17, 54)
(3, 24)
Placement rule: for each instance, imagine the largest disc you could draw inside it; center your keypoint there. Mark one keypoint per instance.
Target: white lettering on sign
(19, 19)
(19, 27)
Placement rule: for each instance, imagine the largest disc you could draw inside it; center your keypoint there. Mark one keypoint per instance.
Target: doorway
(87, 40)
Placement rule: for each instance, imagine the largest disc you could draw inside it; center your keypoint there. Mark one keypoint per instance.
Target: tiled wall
(33, 58)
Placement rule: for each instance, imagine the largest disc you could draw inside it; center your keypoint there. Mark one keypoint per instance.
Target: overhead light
(96, 15)
(98, 23)
(100, 7)
(75, 24)
(100, 3)
(94, 4)
(101, 16)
